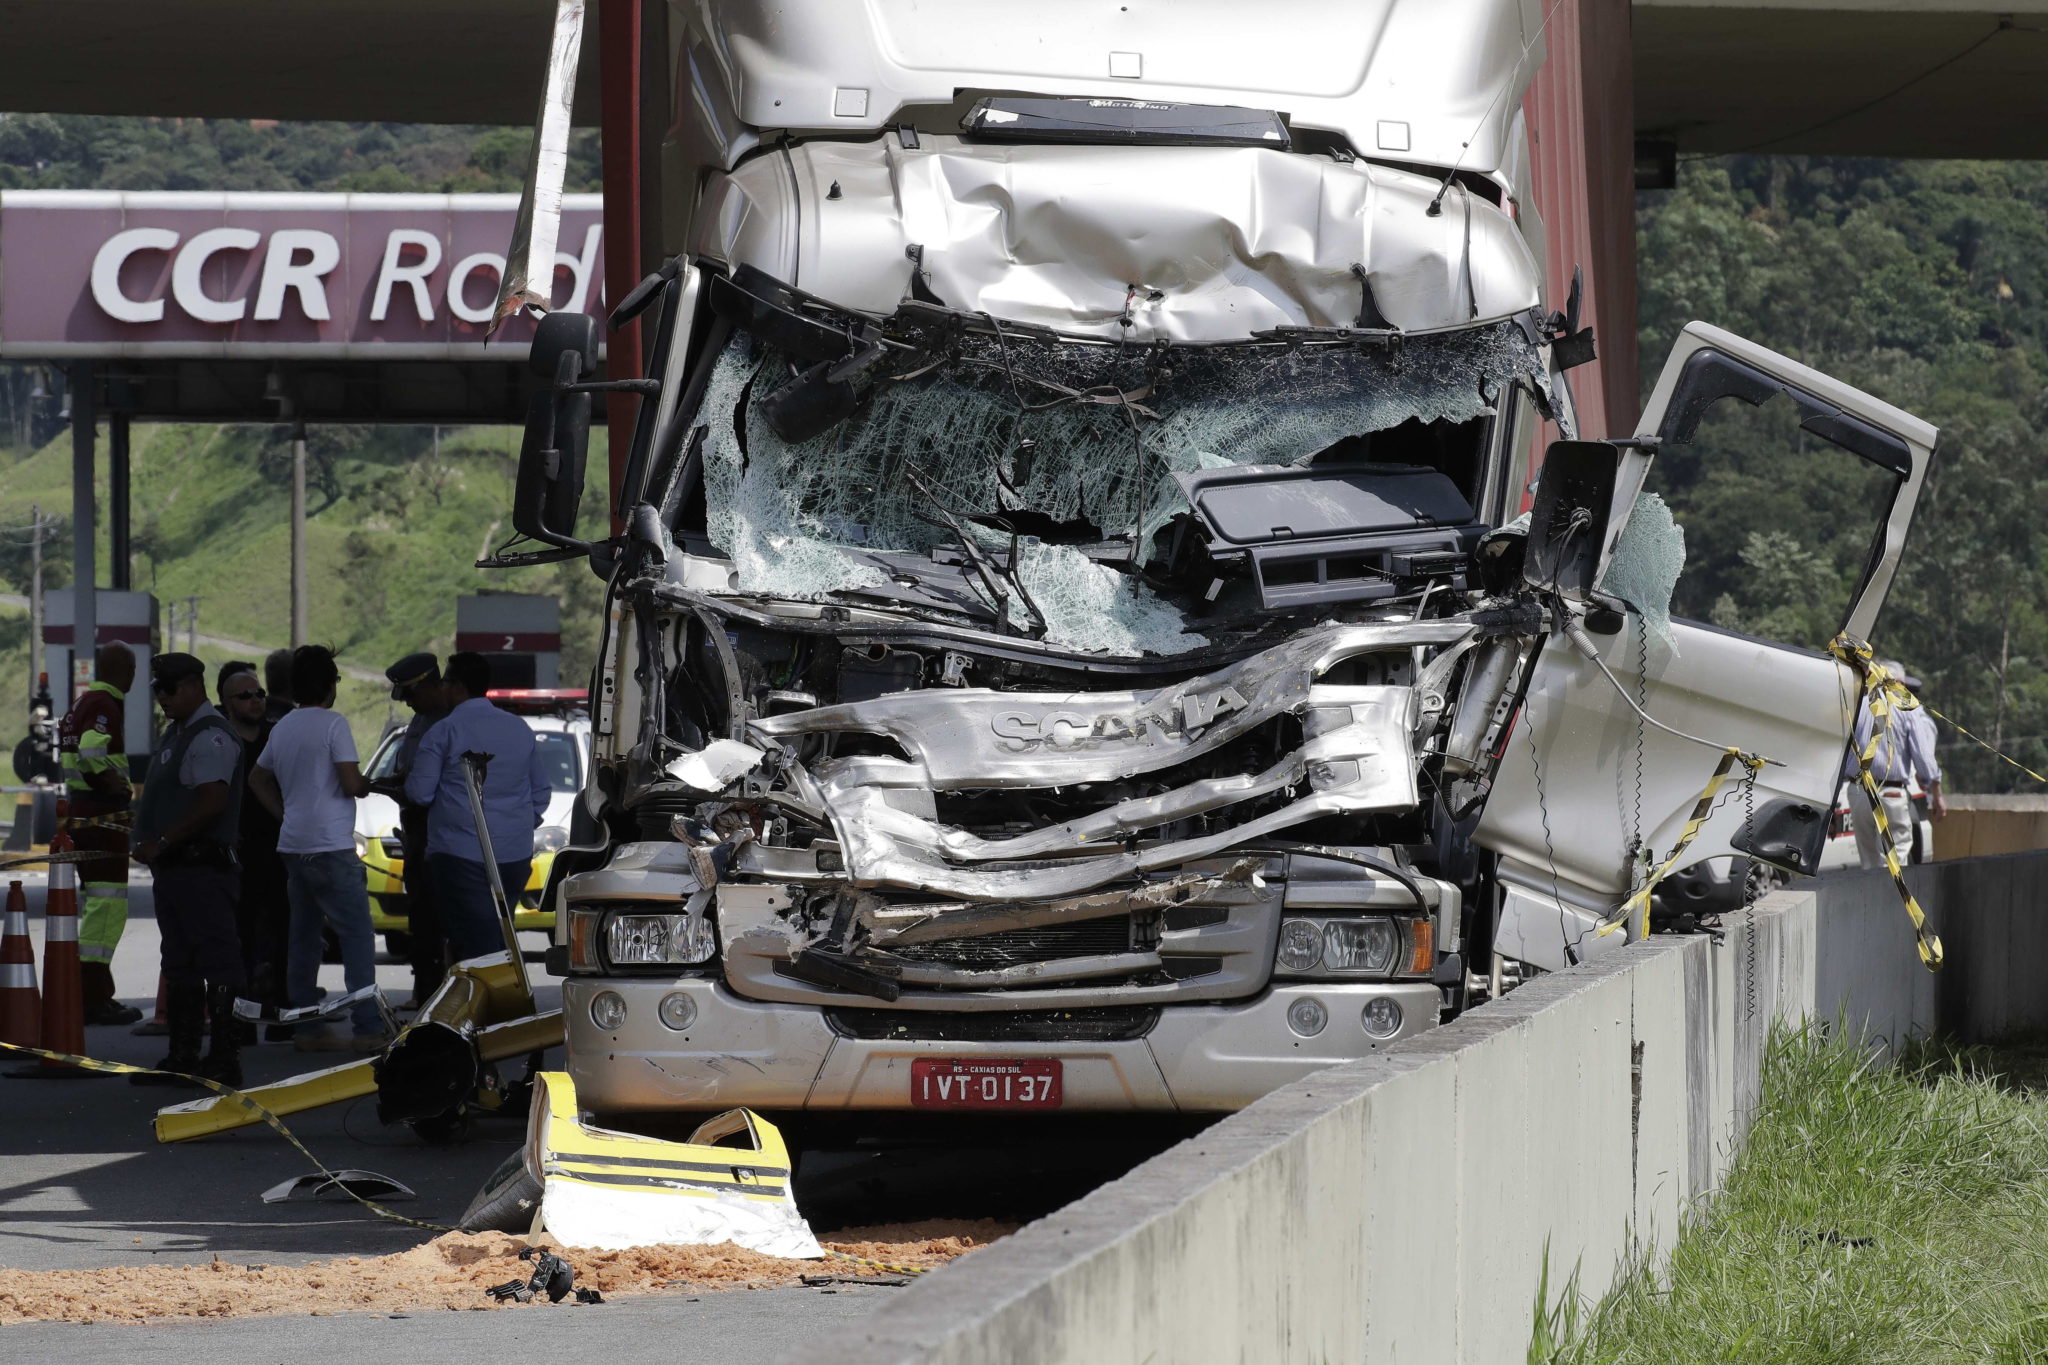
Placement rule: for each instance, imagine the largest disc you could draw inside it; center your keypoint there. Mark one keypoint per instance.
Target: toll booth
(129, 617)
(520, 633)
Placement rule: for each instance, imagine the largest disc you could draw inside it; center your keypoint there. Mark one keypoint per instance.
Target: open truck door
(1588, 798)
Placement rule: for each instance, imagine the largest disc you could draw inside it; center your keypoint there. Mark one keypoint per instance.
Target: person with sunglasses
(265, 915)
(187, 824)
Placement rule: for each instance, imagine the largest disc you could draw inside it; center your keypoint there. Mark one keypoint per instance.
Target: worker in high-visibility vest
(92, 745)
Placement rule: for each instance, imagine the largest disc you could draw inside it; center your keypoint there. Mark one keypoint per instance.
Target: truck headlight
(1348, 945)
(604, 936)
(1381, 1017)
(1301, 945)
(608, 1011)
(1360, 945)
(550, 839)
(655, 940)
(362, 845)
(1306, 1016)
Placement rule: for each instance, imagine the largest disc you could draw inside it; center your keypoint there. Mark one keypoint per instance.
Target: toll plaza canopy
(258, 307)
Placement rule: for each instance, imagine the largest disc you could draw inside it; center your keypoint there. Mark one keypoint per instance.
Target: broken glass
(1648, 557)
(1076, 443)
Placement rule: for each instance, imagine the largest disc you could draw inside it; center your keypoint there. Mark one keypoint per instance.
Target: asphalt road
(83, 1184)
(731, 1328)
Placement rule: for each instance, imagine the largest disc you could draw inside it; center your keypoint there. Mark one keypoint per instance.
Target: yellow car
(562, 728)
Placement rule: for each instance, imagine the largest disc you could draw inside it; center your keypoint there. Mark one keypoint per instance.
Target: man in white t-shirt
(309, 777)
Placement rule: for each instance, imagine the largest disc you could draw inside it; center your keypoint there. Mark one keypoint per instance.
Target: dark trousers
(263, 919)
(195, 913)
(423, 909)
(467, 910)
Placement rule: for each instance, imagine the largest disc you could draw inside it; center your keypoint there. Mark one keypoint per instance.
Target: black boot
(185, 1015)
(224, 1059)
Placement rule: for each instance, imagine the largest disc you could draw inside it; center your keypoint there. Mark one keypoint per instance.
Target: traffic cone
(21, 1004)
(63, 1003)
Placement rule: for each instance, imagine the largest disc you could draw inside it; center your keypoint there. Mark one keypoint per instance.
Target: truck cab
(1074, 643)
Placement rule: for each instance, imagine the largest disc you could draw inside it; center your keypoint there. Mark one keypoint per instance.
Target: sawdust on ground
(452, 1272)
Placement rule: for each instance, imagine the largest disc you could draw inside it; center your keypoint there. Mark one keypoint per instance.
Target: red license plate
(984, 1083)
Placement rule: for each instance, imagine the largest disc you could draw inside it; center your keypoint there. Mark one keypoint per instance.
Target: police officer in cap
(187, 824)
(416, 681)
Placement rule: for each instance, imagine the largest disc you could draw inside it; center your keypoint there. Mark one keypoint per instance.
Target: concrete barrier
(1985, 826)
(1401, 1208)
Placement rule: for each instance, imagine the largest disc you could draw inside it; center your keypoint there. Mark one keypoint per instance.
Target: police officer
(416, 681)
(186, 827)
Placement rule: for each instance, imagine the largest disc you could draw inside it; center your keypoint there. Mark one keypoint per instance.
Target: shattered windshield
(1068, 449)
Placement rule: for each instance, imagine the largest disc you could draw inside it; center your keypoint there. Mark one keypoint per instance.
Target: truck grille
(1111, 1025)
(1015, 947)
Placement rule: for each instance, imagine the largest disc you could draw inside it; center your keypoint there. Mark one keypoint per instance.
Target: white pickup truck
(1073, 646)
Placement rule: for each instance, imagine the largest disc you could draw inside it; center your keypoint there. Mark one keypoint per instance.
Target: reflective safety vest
(92, 747)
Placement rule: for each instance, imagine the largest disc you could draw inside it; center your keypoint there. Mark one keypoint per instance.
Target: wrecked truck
(1073, 641)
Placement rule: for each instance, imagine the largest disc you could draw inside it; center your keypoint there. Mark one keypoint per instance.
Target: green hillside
(397, 515)
(394, 527)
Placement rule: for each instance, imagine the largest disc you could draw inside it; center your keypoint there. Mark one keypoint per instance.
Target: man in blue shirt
(515, 791)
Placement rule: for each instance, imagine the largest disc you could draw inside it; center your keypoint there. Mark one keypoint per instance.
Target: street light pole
(35, 599)
(298, 534)
(84, 572)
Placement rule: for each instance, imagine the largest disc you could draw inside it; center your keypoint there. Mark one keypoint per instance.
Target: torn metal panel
(924, 924)
(909, 973)
(528, 279)
(1362, 761)
(715, 767)
(611, 1190)
(341, 1187)
(976, 737)
(1256, 239)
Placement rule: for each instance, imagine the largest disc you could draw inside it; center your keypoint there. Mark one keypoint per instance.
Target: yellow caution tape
(10, 861)
(879, 1265)
(1992, 750)
(381, 1210)
(1694, 823)
(1882, 693)
(240, 1097)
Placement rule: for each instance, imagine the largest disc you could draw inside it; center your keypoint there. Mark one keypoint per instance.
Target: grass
(1880, 1215)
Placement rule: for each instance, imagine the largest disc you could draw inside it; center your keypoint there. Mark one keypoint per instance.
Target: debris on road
(339, 1186)
(450, 1272)
(601, 1188)
(551, 1276)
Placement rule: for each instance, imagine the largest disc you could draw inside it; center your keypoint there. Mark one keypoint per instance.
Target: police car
(560, 721)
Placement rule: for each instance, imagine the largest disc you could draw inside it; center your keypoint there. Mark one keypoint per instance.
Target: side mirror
(1568, 524)
(557, 444)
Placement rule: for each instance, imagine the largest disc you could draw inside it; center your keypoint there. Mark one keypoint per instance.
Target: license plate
(978, 1083)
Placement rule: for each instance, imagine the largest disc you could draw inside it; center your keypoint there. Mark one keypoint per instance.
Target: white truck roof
(1432, 81)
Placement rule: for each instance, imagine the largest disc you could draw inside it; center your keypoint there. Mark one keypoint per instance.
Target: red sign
(366, 276)
(984, 1083)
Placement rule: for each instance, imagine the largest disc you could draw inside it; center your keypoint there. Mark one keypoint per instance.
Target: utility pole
(191, 625)
(85, 637)
(298, 533)
(35, 598)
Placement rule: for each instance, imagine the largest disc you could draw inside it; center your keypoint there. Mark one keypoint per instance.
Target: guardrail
(1400, 1208)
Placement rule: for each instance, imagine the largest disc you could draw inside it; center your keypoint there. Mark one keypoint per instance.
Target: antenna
(1436, 205)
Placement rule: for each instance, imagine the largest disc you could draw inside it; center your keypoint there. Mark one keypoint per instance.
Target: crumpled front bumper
(1198, 1058)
